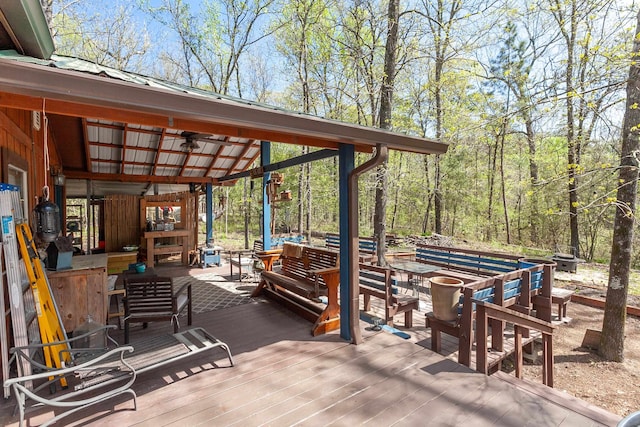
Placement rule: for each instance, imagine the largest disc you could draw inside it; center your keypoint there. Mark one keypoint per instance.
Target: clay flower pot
(445, 296)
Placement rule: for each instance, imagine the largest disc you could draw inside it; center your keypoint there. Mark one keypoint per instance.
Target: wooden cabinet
(81, 291)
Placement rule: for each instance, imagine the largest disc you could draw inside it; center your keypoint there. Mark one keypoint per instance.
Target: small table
(210, 256)
(411, 268)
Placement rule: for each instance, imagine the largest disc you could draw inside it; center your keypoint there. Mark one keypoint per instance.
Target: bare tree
(442, 17)
(212, 41)
(109, 36)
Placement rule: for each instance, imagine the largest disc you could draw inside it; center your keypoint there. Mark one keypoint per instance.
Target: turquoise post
(265, 159)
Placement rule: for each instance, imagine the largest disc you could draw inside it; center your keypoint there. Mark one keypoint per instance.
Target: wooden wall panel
(20, 139)
(121, 226)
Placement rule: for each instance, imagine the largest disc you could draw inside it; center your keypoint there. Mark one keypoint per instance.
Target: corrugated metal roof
(134, 124)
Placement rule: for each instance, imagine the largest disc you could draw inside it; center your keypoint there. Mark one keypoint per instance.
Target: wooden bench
(479, 263)
(244, 259)
(97, 375)
(515, 289)
(561, 298)
(306, 275)
(152, 298)
(367, 246)
(464, 262)
(381, 283)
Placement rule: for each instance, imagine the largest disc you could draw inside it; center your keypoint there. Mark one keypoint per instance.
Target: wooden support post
(518, 350)
(482, 324)
(497, 326)
(547, 354)
(466, 329)
(330, 317)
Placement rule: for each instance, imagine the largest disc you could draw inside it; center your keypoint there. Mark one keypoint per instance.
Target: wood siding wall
(121, 225)
(23, 146)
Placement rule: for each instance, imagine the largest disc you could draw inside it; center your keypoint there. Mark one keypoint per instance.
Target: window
(18, 177)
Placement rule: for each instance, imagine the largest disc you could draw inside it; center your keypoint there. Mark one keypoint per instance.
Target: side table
(209, 256)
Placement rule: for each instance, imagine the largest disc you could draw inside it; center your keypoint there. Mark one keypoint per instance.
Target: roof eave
(88, 90)
(28, 28)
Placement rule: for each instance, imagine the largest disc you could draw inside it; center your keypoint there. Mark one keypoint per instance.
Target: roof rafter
(240, 157)
(124, 148)
(215, 158)
(87, 148)
(157, 155)
(116, 177)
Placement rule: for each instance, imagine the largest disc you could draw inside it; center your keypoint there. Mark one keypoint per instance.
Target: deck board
(284, 376)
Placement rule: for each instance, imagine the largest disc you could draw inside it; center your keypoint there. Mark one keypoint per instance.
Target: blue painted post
(346, 163)
(265, 159)
(209, 203)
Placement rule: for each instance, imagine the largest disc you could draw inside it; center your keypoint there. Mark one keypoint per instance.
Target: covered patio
(129, 134)
(284, 376)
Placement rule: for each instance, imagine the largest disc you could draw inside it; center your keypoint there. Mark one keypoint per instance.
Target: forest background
(529, 95)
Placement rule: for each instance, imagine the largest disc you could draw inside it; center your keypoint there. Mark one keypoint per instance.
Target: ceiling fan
(191, 140)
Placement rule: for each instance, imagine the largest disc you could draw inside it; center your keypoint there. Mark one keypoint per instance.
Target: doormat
(212, 292)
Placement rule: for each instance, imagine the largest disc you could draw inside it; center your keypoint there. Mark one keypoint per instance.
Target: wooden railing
(521, 323)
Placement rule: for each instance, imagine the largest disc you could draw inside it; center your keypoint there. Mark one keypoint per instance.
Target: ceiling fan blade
(194, 135)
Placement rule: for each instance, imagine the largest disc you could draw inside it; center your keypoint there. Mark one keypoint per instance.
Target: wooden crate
(119, 261)
(81, 291)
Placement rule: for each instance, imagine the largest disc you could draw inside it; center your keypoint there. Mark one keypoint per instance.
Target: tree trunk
(615, 312)
(533, 175)
(502, 182)
(493, 153)
(573, 156)
(437, 200)
(427, 181)
(386, 106)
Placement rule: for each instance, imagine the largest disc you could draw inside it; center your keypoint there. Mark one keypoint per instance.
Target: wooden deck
(284, 376)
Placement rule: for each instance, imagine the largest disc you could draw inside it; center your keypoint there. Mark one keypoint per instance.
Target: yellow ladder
(51, 329)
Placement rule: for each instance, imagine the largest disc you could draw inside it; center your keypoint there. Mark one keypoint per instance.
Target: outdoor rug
(212, 292)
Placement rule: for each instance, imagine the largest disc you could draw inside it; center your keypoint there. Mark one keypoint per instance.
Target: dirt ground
(582, 373)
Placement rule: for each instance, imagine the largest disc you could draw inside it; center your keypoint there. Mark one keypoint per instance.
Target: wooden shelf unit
(181, 247)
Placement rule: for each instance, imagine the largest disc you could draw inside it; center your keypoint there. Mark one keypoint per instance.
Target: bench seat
(367, 247)
(466, 260)
(515, 289)
(380, 282)
(306, 273)
(306, 289)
